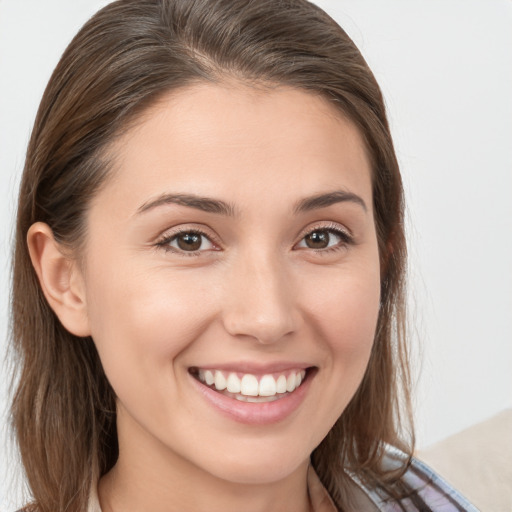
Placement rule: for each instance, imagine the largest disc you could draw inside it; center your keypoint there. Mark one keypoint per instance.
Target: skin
(253, 293)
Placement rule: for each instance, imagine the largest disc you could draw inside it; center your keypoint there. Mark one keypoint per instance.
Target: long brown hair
(124, 58)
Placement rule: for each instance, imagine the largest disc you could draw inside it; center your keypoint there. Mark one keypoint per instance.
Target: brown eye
(325, 238)
(188, 241)
(317, 239)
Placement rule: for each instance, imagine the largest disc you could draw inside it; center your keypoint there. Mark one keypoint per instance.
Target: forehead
(222, 140)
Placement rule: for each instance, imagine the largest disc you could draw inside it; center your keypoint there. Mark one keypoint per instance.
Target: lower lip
(252, 413)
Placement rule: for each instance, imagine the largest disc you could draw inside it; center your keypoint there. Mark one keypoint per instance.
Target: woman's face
(235, 242)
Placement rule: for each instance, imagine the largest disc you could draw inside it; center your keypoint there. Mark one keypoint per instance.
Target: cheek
(344, 319)
(141, 321)
(346, 305)
(358, 320)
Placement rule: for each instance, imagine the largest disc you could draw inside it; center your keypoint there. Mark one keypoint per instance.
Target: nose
(260, 300)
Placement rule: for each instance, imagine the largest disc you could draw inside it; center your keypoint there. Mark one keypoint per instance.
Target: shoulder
(426, 490)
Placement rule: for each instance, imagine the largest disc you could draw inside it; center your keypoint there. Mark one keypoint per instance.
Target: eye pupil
(317, 240)
(189, 241)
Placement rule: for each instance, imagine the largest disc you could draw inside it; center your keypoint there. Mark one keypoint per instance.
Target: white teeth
(220, 381)
(267, 386)
(208, 377)
(281, 384)
(233, 383)
(290, 382)
(249, 385)
(299, 378)
(248, 388)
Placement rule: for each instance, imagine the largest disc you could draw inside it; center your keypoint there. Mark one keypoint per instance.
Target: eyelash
(345, 240)
(164, 243)
(345, 237)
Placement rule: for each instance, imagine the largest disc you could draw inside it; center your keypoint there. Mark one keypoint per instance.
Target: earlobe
(60, 278)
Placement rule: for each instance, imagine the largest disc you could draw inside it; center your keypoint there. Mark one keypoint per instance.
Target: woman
(209, 269)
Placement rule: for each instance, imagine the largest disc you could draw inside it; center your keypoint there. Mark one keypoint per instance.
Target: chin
(262, 466)
(259, 474)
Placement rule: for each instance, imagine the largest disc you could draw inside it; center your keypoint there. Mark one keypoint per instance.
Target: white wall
(446, 71)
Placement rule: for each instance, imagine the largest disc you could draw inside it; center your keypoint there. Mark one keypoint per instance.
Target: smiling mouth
(247, 387)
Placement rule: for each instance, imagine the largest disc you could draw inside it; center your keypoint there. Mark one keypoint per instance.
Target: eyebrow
(328, 199)
(206, 204)
(217, 206)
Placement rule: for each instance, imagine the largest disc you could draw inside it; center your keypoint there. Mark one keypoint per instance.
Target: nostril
(264, 329)
(262, 306)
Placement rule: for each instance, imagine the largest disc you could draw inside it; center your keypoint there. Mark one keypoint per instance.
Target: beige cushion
(478, 462)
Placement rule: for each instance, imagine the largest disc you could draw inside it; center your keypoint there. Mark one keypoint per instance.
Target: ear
(60, 278)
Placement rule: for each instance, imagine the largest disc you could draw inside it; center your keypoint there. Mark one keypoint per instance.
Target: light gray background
(446, 71)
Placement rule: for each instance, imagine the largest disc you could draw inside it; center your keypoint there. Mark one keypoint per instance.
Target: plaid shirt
(429, 492)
